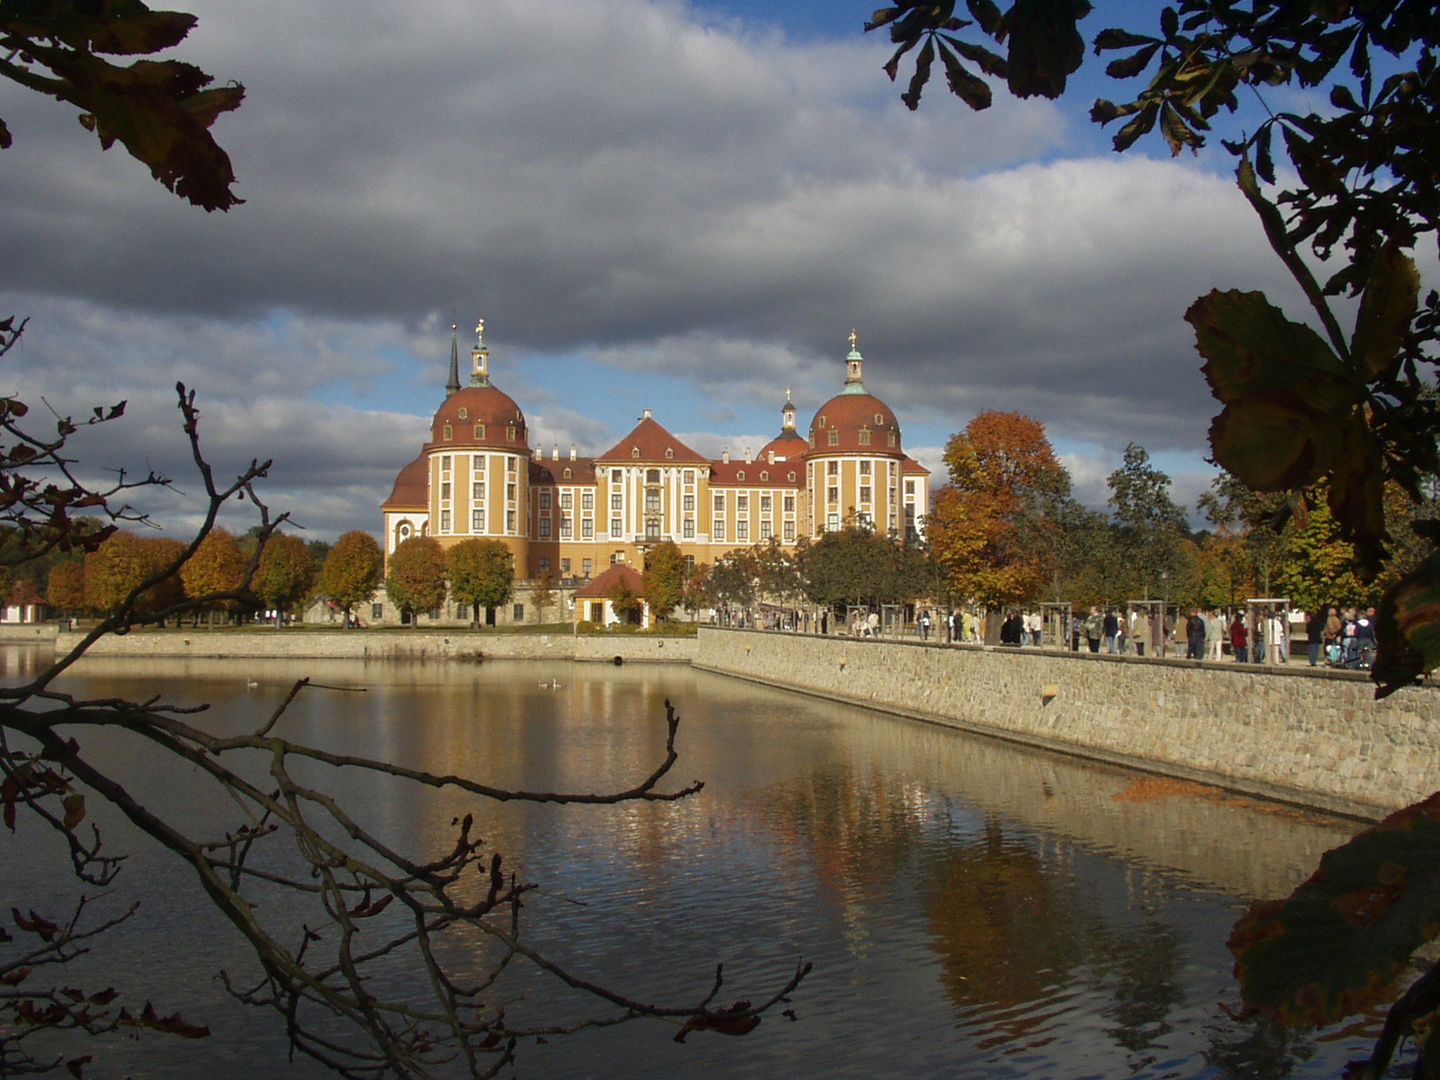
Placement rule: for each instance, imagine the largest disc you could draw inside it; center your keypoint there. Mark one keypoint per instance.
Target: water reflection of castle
(573, 516)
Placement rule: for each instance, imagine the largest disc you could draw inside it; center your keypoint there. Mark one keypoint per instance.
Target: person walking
(1194, 636)
(1094, 629)
(1139, 631)
(1214, 635)
(1238, 639)
(1112, 628)
(1315, 634)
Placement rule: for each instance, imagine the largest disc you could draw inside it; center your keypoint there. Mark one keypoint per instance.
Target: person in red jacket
(1239, 640)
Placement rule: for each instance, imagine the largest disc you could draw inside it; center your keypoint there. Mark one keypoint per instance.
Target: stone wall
(390, 645)
(1315, 738)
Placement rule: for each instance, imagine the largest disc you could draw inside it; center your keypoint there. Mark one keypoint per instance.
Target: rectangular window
(742, 530)
(510, 465)
(764, 504)
(445, 491)
(689, 563)
(477, 491)
(445, 465)
(742, 504)
(864, 468)
(519, 614)
(544, 500)
(865, 494)
(652, 528)
(892, 438)
(444, 521)
(834, 436)
(544, 528)
(565, 567)
(688, 503)
(834, 495)
(510, 492)
(689, 477)
(832, 523)
(585, 567)
(587, 530)
(832, 468)
(544, 566)
(477, 521)
(477, 463)
(587, 501)
(909, 487)
(652, 500)
(864, 436)
(789, 504)
(718, 532)
(565, 528)
(789, 530)
(377, 611)
(462, 611)
(510, 521)
(567, 501)
(617, 527)
(720, 503)
(617, 501)
(689, 529)
(616, 476)
(764, 530)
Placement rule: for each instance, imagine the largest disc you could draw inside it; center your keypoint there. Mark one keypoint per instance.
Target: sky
(652, 203)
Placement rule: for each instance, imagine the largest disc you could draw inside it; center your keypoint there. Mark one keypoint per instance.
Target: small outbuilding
(596, 601)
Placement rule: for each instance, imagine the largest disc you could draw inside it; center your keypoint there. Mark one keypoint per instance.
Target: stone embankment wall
(27, 633)
(389, 645)
(1317, 739)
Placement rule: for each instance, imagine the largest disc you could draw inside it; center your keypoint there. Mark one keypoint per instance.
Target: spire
(787, 416)
(454, 383)
(480, 358)
(854, 384)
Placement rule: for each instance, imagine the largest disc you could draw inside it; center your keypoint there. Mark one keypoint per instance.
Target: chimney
(572, 451)
(725, 455)
(646, 416)
(747, 456)
(770, 458)
(555, 451)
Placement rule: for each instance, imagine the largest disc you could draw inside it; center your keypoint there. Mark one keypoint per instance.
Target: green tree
(856, 565)
(482, 573)
(352, 571)
(65, 591)
(285, 575)
(626, 604)
(663, 581)
(216, 567)
(1149, 525)
(415, 581)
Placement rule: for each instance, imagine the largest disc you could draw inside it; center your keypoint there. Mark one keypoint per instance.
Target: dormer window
(510, 432)
(449, 431)
(669, 453)
(879, 419)
(821, 421)
(892, 438)
(834, 437)
(764, 475)
(865, 436)
(479, 431)
(567, 474)
(740, 475)
(635, 451)
(792, 476)
(464, 414)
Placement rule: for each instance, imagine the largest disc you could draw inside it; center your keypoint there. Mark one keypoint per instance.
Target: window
(764, 504)
(652, 528)
(834, 437)
(669, 453)
(652, 476)
(865, 494)
(687, 502)
(617, 501)
(585, 567)
(909, 487)
(445, 491)
(718, 531)
(742, 504)
(742, 530)
(652, 499)
(544, 565)
(879, 419)
(821, 421)
(689, 528)
(464, 414)
(519, 613)
(688, 562)
(616, 475)
(720, 502)
(834, 495)
(865, 436)
(832, 468)
(445, 465)
(449, 431)
(565, 526)
(635, 451)
(689, 477)
(587, 529)
(510, 465)
(405, 532)
(587, 500)
(892, 438)
(792, 477)
(812, 440)
(565, 566)
(544, 528)
(617, 528)
(789, 530)
(567, 500)
(510, 492)
(479, 431)
(832, 522)
(764, 530)
(544, 500)
(567, 474)
(864, 468)
(740, 474)
(477, 491)
(444, 521)
(510, 521)
(462, 611)
(617, 557)
(477, 521)
(377, 611)
(789, 504)
(510, 432)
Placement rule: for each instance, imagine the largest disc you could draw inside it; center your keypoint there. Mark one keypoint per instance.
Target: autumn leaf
(74, 810)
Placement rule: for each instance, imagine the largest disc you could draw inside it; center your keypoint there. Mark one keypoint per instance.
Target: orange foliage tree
(992, 526)
(285, 575)
(216, 567)
(65, 591)
(123, 562)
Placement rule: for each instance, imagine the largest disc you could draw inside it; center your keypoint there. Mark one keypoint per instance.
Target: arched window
(635, 451)
(764, 475)
(792, 476)
(567, 474)
(669, 453)
(880, 419)
(740, 475)
(464, 414)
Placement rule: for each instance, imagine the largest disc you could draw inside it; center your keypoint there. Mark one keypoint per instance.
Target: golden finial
(480, 332)
(852, 339)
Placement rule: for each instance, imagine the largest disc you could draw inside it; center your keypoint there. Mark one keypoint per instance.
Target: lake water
(972, 909)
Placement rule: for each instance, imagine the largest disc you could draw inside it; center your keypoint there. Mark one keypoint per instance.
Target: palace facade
(574, 517)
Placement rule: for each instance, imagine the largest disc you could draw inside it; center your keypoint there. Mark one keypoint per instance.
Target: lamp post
(1165, 612)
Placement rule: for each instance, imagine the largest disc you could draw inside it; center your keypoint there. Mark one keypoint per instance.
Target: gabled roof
(598, 588)
(652, 441)
(412, 486)
(552, 471)
(910, 465)
(757, 474)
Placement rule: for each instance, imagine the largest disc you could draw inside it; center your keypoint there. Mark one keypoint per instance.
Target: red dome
(860, 422)
(480, 416)
(787, 446)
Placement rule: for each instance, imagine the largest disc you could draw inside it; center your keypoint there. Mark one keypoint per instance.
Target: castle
(574, 517)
